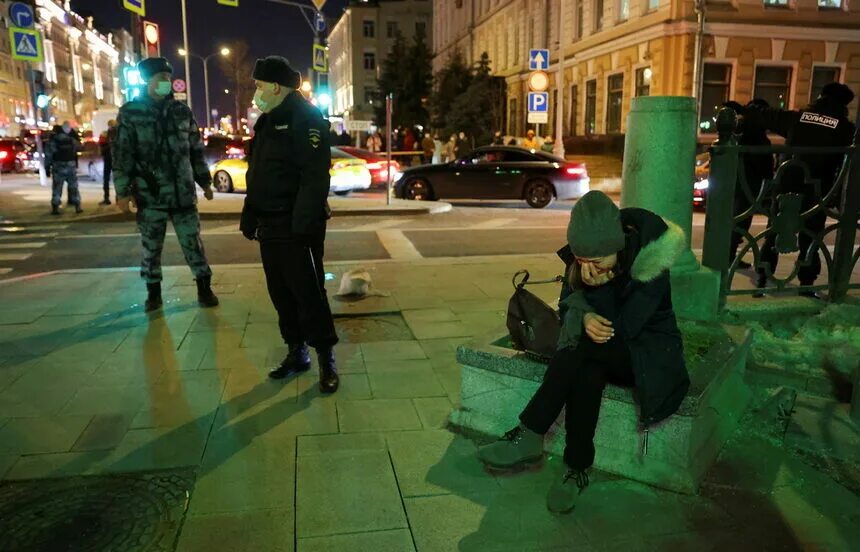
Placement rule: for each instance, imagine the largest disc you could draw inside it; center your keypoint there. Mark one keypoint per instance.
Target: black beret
(277, 69)
(838, 92)
(151, 66)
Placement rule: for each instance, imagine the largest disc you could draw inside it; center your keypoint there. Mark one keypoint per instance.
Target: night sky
(269, 28)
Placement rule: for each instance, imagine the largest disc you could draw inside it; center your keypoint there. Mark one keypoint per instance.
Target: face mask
(67, 129)
(262, 104)
(163, 88)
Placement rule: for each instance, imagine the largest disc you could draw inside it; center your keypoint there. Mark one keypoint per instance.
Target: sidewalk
(29, 201)
(153, 408)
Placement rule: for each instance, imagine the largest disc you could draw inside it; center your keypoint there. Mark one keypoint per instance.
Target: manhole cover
(126, 512)
(380, 327)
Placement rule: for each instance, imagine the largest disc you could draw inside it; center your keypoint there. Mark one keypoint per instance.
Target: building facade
(781, 50)
(358, 44)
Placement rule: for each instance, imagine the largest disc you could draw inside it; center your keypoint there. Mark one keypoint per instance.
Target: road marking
(5, 270)
(41, 236)
(15, 256)
(22, 245)
(398, 245)
(382, 225)
(16, 229)
(492, 223)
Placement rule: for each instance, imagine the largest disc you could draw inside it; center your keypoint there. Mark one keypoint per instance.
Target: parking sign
(538, 102)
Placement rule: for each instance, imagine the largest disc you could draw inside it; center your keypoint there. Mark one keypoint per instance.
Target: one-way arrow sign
(538, 60)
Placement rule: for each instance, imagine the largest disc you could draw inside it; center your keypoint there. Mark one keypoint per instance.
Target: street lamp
(306, 86)
(223, 52)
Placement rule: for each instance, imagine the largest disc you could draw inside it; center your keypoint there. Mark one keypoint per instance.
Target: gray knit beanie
(595, 226)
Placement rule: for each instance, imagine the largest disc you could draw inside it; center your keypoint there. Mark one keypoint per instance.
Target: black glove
(248, 224)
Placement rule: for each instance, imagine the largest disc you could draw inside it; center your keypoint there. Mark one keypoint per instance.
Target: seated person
(618, 326)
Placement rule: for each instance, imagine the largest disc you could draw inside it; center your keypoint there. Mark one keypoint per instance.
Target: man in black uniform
(823, 124)
(286, 209)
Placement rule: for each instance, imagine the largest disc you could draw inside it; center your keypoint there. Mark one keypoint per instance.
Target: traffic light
(132, 82)
(43, 101)
(151, 39)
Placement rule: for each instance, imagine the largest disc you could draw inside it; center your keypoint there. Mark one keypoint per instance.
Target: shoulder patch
(816, 119)
(282, 127)
(314, 137)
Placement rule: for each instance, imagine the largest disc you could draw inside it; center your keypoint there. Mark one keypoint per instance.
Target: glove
(248, 224)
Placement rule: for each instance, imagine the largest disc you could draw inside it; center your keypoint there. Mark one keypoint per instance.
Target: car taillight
(234, 151)
(374, 166)
(575, 171)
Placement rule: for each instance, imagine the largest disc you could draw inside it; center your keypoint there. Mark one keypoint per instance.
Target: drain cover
(381, 327)
(126, 512)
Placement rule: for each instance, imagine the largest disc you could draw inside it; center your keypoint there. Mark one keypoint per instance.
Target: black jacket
(288, 169)
(63, 147)
(823, 124)
(638, 301)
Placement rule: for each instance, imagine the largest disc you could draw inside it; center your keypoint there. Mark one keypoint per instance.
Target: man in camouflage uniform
(157, 159)
(61, 157)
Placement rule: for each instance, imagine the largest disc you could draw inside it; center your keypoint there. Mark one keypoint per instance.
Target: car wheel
(418, 189)
(539, 194)
(343, 193)
(223, 182)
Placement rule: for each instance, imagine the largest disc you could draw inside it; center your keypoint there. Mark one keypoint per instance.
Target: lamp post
(222, 52)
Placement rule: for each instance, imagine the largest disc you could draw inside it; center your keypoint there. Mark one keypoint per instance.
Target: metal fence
(799, 217)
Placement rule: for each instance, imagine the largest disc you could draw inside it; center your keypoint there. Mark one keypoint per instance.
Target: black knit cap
(595, 229)
(152, 66)
(837, 92)
(277, 69)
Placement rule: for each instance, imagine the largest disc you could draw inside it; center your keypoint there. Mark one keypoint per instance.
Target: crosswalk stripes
(18, 241)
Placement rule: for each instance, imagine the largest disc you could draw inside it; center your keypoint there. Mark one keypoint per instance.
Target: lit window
(643, 81)
(773, 85)
(716, 82)
(614, 99)
(830, 4)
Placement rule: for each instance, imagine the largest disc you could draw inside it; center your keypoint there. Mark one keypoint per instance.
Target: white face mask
(162, 88)
(266, 99)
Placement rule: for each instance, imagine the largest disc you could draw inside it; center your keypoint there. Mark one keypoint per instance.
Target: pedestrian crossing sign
(320, 59)
(135, 6)
(26, 44)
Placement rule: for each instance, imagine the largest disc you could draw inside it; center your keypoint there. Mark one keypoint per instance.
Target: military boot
(329, 381)
(55, 209)
(565, 491)
(79, 209)
(298, 360)
(153, 298)
(519, 448)
(205, 296)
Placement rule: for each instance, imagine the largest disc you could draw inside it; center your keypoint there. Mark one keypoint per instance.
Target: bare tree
(237, 68)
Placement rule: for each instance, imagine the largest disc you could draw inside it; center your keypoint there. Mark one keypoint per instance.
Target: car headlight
(701, 185)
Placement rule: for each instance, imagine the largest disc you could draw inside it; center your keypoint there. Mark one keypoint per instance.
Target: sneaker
(518, 448)
(564, 493)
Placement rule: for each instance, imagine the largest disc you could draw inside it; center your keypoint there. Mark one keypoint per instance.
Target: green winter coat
(158, 154)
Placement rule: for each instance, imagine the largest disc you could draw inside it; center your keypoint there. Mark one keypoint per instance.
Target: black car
(497, 172)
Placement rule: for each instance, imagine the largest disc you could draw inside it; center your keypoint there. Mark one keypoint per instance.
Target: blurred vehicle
(13, 155)
(217, 147)
(700, 185)
(377, 164)
(347, 173)
(497, 172)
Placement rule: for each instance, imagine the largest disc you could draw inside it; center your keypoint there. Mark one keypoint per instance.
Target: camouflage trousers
(152, 225)
(64, 172)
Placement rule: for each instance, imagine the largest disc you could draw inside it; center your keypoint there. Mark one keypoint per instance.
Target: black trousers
(108, 168)
(575, 379)
(296, 281)
(806, 274)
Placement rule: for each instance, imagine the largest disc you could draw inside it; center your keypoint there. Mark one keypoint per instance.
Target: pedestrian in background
(105, 140)
(498, 139)
(157, 159)
(344, 139)
(429, 147)
(825, 123)
(374, 142)
(437, 149)
(530, 142)
(464, 145)
(547, 145)
(451, 149)
(286, 209)
(61, 156)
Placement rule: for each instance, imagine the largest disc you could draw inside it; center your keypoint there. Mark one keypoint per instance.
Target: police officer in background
(286, 209)
(157, 159)
(823, 124)
(61, 157)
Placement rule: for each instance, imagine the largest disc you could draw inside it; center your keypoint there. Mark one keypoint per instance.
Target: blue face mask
(163, 88)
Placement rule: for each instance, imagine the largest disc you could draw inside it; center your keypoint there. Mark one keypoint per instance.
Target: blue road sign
(538, 102)
(319, 22)
(21, 15)
(538, 60)
(26, 44)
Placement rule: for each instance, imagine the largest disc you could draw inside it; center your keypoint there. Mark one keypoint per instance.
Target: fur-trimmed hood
(659, 254)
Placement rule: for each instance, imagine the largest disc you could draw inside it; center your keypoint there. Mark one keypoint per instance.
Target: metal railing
(791, 200)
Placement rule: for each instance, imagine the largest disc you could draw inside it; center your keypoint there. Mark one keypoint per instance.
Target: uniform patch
(314, 137)
(282, 127)
(816, 119)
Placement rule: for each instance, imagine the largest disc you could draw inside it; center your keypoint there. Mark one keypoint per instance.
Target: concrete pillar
(658, 175)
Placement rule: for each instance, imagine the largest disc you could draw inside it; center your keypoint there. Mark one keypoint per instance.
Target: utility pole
(187, 49)
(697, 61)
(558, 146)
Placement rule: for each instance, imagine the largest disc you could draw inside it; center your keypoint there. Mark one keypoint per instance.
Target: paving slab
(44, 434)
(317, 445)
(433, 411)
(398, 540)
(347, 493)
(392, 350)
(104, 432)
(259, 530)
(398, 384)
(377, 415)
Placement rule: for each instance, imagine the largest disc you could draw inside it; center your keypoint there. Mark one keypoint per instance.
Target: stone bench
(498, 381)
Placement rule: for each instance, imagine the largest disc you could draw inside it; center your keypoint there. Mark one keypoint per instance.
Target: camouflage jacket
(62, 147)
(158, 154)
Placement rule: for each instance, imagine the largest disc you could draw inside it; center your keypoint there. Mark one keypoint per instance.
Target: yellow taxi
(347, 172)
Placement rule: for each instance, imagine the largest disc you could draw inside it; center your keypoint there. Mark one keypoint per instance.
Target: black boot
(298, 360)
(205, 296)
(329, 381)
(55, 209)
(106, 201)
(153, 298)
(79, 209)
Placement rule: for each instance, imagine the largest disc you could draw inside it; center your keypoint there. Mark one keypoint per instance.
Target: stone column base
(696, 294)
